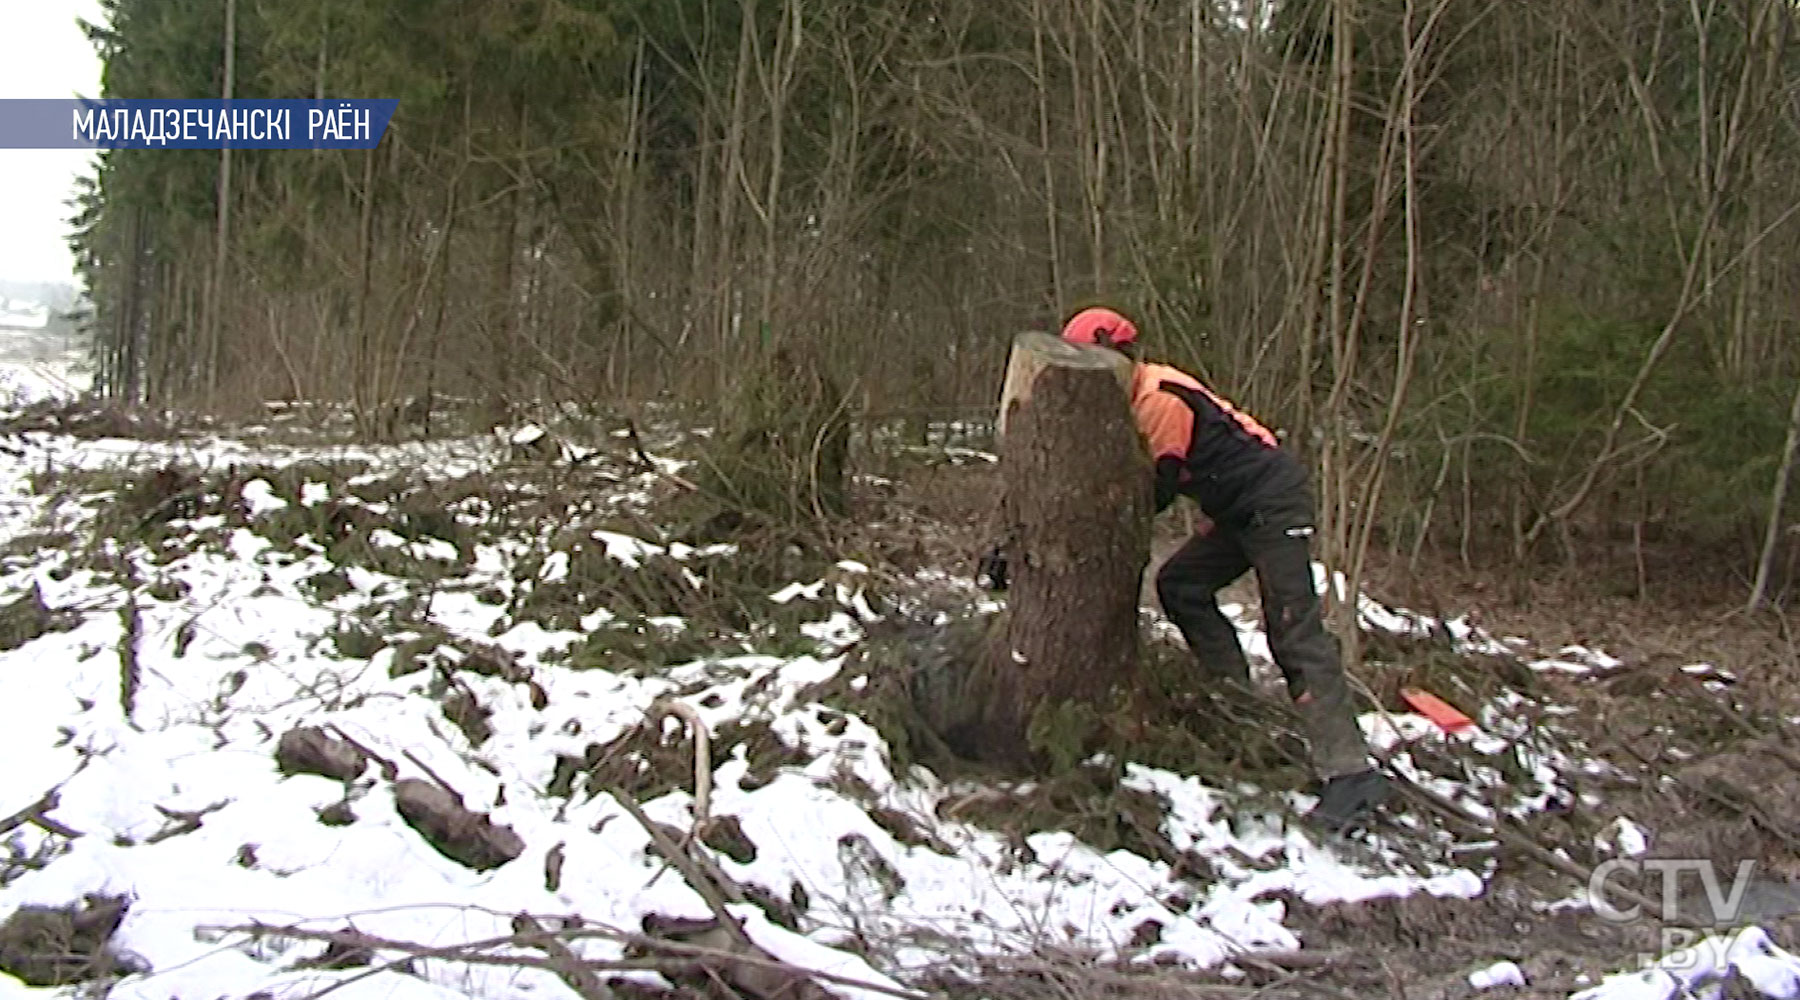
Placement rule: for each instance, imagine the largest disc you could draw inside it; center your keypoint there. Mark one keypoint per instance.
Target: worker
(1259, 515)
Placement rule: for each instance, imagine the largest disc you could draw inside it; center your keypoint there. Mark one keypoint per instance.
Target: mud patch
(1430, 944)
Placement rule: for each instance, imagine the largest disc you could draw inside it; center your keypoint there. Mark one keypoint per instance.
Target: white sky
(46, 55)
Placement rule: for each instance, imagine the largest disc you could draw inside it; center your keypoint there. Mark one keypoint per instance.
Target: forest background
(1516, 278)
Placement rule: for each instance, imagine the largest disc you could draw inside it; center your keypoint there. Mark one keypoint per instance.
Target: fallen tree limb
(182, 821)
(1291, 958)
(1732, 714)
(570, 966)
(389, 770)
(49, 801)
(649, 465)
(49, 825)
(480, 952)
(702, 760)
(765, 977)
(1498, 827)
(1511, 836)
(35, 814)
(433, 775)
(1071, 976)
(708, 888)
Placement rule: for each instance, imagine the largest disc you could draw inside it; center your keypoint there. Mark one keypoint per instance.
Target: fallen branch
(768, 978)
(182, 821)
(1107, 980)
(479, 952)
(1744, 806)
(572, 970)
(702, 762)
(1507, 834)
(389, 770)
(49, 825)
(708, 888)
(35, 814)
(1499, 828)
(468, 953)
(433, 775)
(1290, 958)
(649, 464)
(1730, 713)
(1292, 974)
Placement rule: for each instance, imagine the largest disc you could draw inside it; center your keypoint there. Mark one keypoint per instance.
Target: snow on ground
(253, 665)
(36, 367)
(1701, 969)
(434, 459)
(163, 700)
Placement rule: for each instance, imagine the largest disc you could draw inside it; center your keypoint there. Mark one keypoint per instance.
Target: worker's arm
(1168, 427)
(1168, 481)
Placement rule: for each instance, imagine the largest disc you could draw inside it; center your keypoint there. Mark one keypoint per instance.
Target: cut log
(1076, 514)
(310, 750)
(464, 836)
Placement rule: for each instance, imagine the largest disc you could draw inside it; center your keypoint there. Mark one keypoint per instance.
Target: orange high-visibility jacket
(1205, 447)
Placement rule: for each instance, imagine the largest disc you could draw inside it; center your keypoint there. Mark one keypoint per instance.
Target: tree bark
(1777, 499)
(1076, 515)
(222, 232)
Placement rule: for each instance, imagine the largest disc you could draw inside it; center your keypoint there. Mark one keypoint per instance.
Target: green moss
(1064, 732)
(415, 654)
(168, 588)
(28, 617)
(782, 451)
(328, 585)
(637, 645)
(355, 641)
(1089, 803)
(34, 544)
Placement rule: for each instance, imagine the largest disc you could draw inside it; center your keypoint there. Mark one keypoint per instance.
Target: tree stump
(1076, 512)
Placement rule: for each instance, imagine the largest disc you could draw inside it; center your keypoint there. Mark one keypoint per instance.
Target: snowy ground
(180, 665)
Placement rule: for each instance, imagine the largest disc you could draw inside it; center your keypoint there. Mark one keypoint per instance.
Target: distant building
(27, 316)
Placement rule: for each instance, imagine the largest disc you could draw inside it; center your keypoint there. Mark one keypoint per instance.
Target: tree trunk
(1076, 516)
(1759, 590)
(222, 234)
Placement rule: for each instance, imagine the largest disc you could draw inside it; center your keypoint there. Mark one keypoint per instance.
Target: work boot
(1347, 797)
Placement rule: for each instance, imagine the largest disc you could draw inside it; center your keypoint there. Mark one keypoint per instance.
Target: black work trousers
(1274, 539)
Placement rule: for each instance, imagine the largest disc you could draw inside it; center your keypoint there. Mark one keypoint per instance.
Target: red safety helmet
(1101, 327)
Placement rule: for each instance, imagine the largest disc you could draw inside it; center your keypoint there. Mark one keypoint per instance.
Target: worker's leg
(1186, 586)
(1278, 544)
